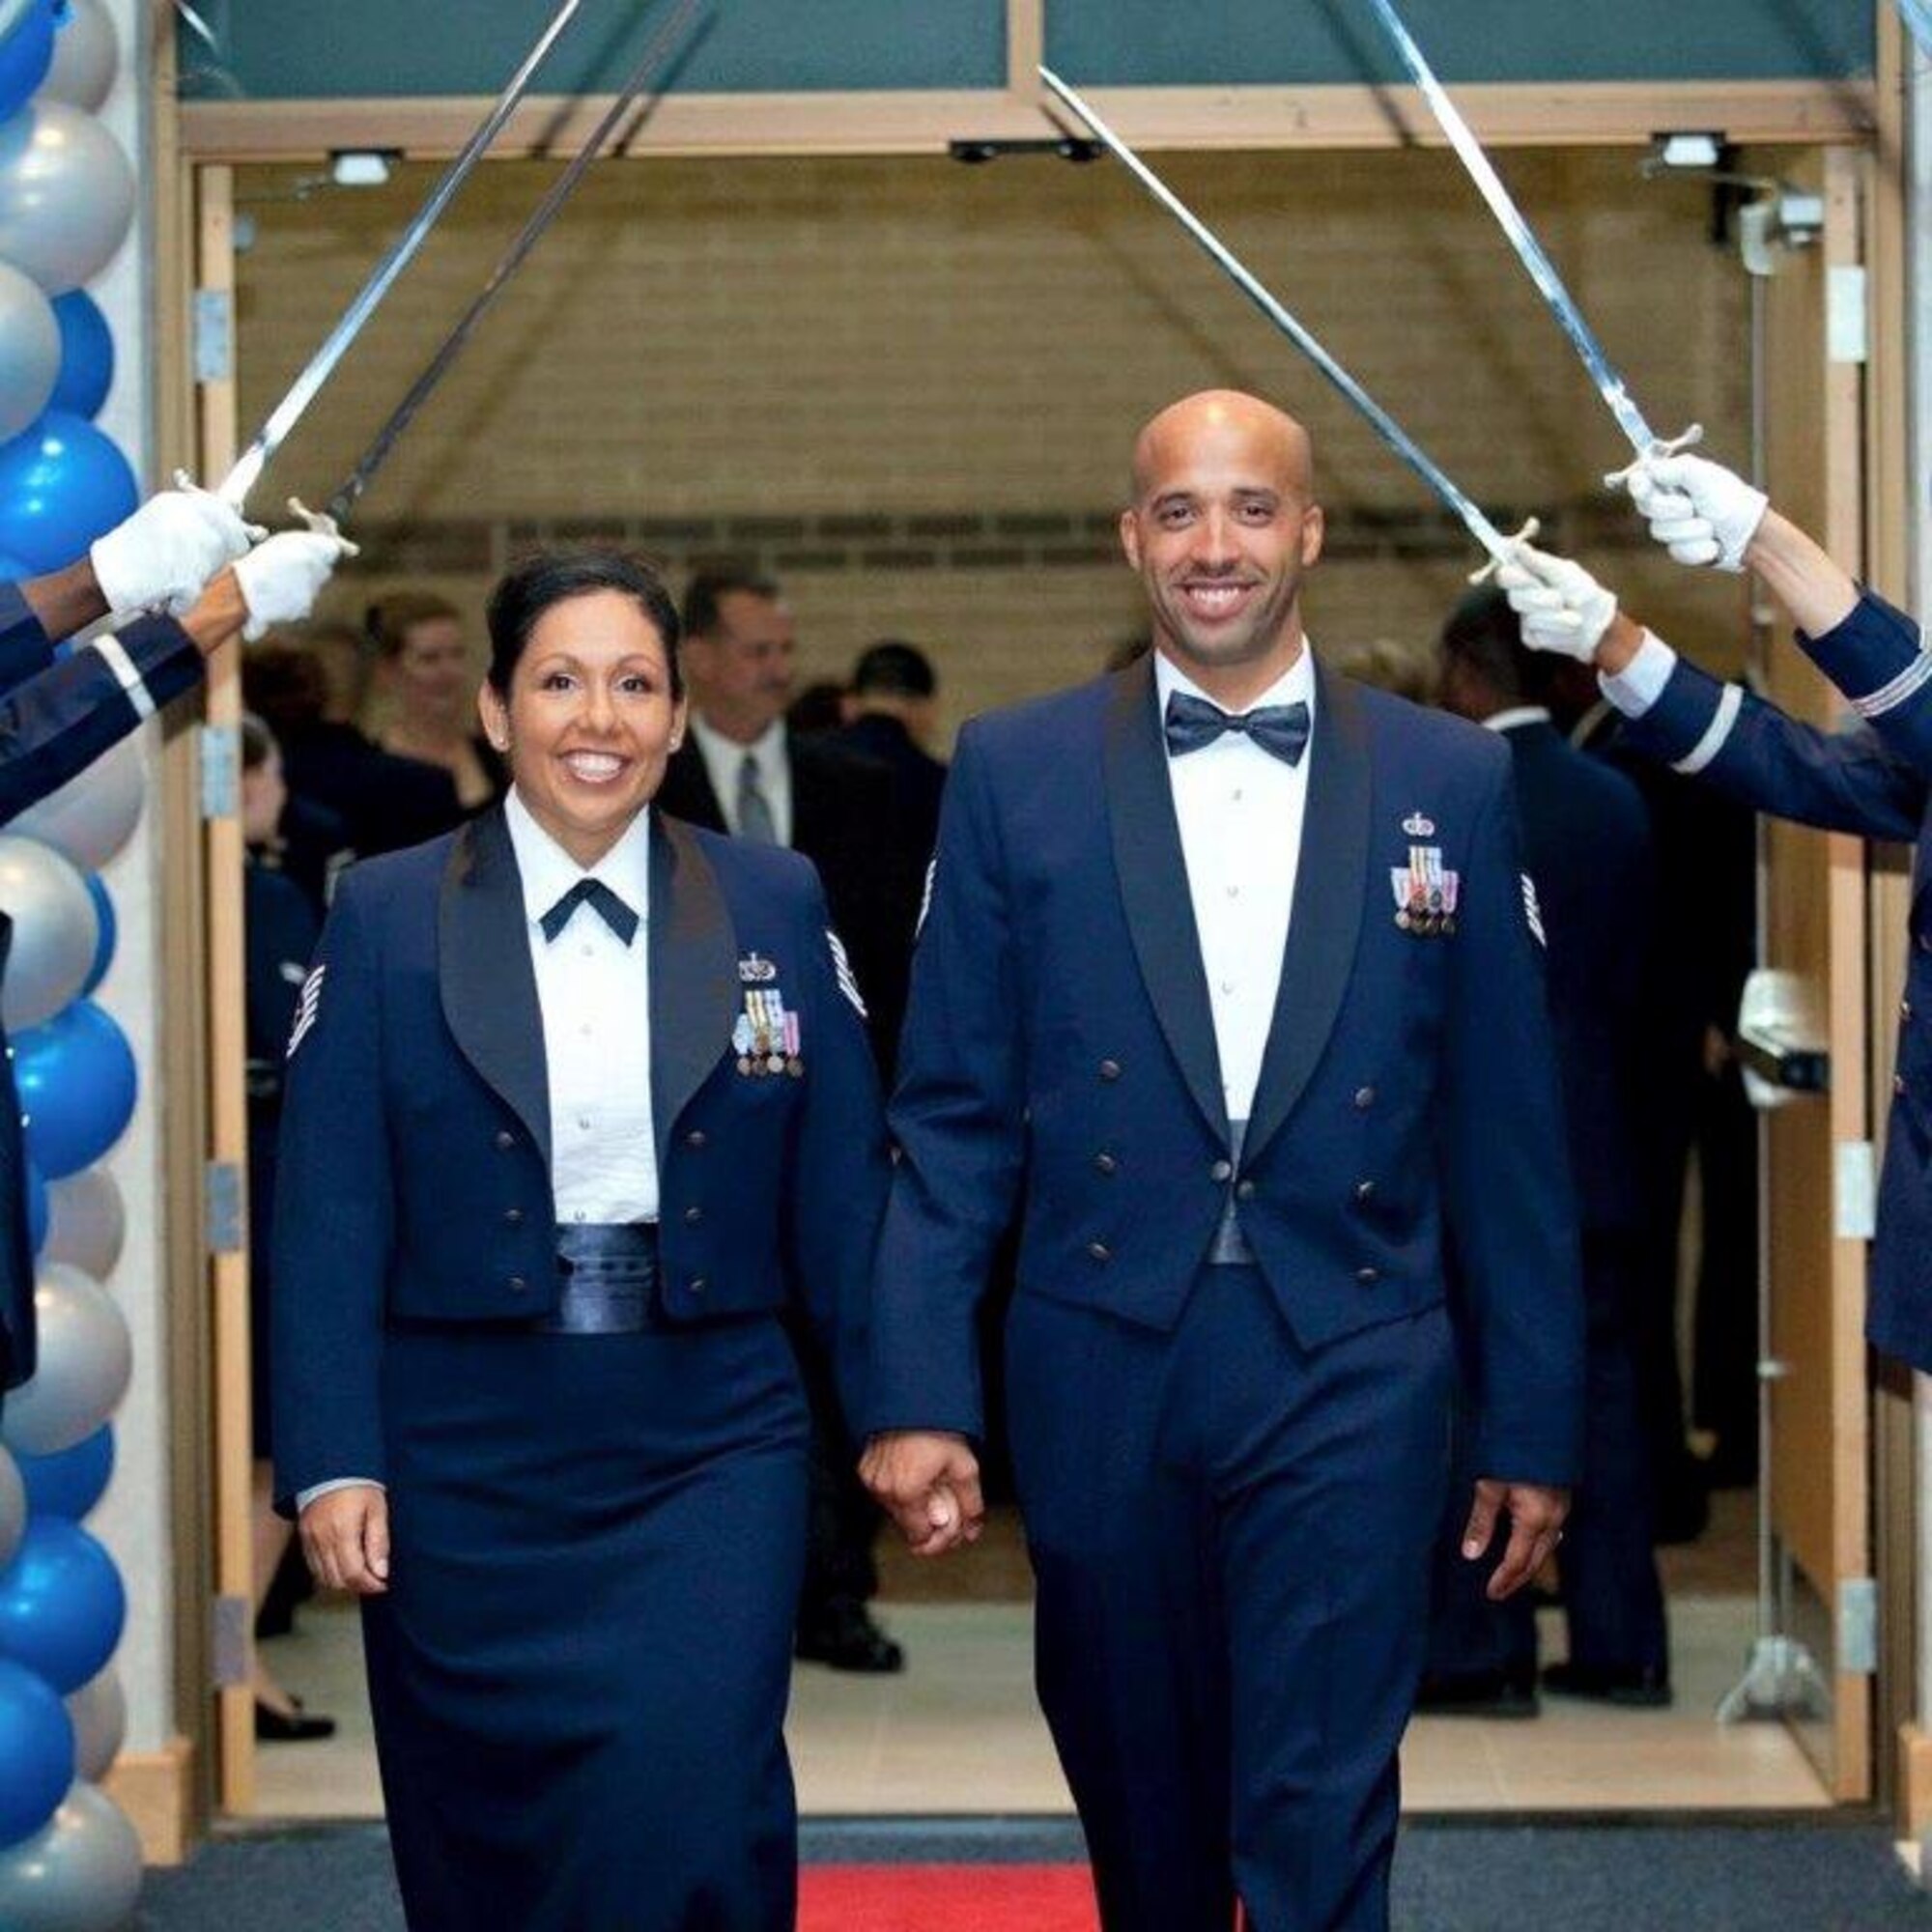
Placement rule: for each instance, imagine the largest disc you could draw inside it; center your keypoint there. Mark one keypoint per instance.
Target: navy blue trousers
(579, 1675)
(1232, 1540)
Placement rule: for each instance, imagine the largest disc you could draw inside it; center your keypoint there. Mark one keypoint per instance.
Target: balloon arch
(69, 1858)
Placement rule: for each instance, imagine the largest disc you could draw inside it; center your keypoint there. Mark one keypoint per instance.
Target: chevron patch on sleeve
(308, 1005)
(926, 897)
(1533, 912)
(841, 965)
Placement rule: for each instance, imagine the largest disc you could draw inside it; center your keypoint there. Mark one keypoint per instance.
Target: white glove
(1562, 606)
(1697, 510)
(170, 547)
(281, 579)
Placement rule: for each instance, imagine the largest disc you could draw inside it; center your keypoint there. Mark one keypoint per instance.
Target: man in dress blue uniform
(1874, 779)
(1232, 966)
(58, 714)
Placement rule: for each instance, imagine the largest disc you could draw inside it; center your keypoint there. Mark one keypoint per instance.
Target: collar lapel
(1153, 872)
(1327, 914)
(483, 965)
(694, 973)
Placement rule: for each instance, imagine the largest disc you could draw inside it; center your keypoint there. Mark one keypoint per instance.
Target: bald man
(1230, 972)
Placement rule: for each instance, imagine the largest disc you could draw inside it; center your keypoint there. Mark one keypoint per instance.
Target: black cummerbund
(609, 1279)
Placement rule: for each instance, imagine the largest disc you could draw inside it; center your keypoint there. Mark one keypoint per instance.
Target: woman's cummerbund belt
(609, 1279)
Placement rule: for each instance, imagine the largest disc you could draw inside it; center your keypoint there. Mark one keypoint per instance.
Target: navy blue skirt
(578, 1673)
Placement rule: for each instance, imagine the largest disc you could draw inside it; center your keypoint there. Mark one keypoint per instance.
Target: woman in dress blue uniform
(578, 1099)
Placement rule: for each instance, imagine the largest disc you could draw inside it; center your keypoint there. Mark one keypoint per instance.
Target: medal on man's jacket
(1424, 892)
(765, 1036)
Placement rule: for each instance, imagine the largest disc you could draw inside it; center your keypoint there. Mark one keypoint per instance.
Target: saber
(243, 478)
(670, 36)
(1530, 252)
(1501, 549)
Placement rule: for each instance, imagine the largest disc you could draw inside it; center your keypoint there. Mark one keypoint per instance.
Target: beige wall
(908, 387)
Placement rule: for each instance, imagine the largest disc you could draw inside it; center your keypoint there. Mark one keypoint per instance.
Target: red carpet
(945, 1898)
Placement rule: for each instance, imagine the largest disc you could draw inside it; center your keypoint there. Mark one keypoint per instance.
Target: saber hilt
(1619, 479)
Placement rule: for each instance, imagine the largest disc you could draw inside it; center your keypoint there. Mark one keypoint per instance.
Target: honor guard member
(577, 1101)
(59, 714)
(1232, 974)
(1874, 779)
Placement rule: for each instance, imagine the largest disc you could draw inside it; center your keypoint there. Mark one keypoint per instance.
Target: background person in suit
(1874, 781)
(1586, 840)
(1230, 1016)
(574, 1096)
(892, 717)
(742, 770)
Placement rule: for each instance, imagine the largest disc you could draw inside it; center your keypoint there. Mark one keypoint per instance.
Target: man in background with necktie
(1232, 974)
(742, 770)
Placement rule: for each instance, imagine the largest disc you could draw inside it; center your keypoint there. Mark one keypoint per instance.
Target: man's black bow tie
(1279, 729)
(615, 914)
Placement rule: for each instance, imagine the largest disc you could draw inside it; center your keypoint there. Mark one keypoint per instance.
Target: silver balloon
(81, 1872)
(85, 1361)
(86, 57)
(56, 929)
(30, 352)
(87, 1223)
(93, 816)
(66, 194)
(12, 1507)
(100, 1712)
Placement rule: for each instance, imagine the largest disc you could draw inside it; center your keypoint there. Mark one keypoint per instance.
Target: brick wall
(909, 388)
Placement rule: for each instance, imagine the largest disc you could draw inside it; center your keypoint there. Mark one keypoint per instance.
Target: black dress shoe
(293, 1726)
(844, 1636)
(1638, 1687)
(1478, 1694)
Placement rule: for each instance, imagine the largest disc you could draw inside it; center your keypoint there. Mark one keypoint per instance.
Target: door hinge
(1854, 1190)
(1857, 1626)
(230, 1633)
(213, 335)
(223, 1211)
(220, 771)
(1847, 331)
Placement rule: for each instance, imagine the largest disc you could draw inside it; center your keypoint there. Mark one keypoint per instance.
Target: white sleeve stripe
(114, 654)
(1889, 696)
(1712, 741)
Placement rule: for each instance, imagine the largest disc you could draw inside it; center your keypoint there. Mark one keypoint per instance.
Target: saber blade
(1501, 549)
(1530, 252)
(668, 38)
(243, 478)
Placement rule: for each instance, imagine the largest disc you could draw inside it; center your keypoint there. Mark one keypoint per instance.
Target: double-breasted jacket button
(1926, 942)
(1110, 1070)
(517, 1285)
(513, 1216)
(698, 1284)
(693, 1215)
(1221, 1173)
(1368, 1276)
(1244, 1190)
(505, 1140)
(1105, 1163)
(1365, 1098)
(695, 1138)
(1365, 1191)
(1898, 1083)
(1099, 1251)
(1905, 1009)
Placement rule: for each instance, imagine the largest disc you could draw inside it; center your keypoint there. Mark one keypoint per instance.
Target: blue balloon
(36, 1207)
(62, 484)
(77, 1084)
(87, 355)
(103, 947)
(70, 1484)
(25, 56)
(35, 1753)
(62, 1605)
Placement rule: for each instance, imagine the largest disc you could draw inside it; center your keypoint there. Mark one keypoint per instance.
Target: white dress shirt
(725, 758)
(1240, 810)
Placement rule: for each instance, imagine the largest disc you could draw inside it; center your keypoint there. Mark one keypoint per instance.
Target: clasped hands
(927, 1481)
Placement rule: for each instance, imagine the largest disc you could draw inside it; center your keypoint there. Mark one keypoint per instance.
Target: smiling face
(1223, 528)
(588, 720)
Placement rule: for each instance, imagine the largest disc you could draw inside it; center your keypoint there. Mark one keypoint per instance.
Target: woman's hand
(345, 1536)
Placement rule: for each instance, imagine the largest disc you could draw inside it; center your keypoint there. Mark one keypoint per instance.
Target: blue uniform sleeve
(25, 649)
(1510, 1200)
(56, 723)
(837, 1182)
(334, 1219)
(1852, 781)
(958, 1121)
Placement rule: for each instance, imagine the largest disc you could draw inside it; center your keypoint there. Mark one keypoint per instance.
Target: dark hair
(285, 686)
(818, 707)
(257, 743)
(711, 585)
(893, 668)
(1484, 637)
(390, 619)
(537, 584)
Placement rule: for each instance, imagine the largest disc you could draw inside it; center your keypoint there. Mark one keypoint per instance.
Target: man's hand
(166, 551)
(281, 579)
(1699, 511)
(345, 1536)
(1536, 1515)
(1562, 607)
(929, 1484)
